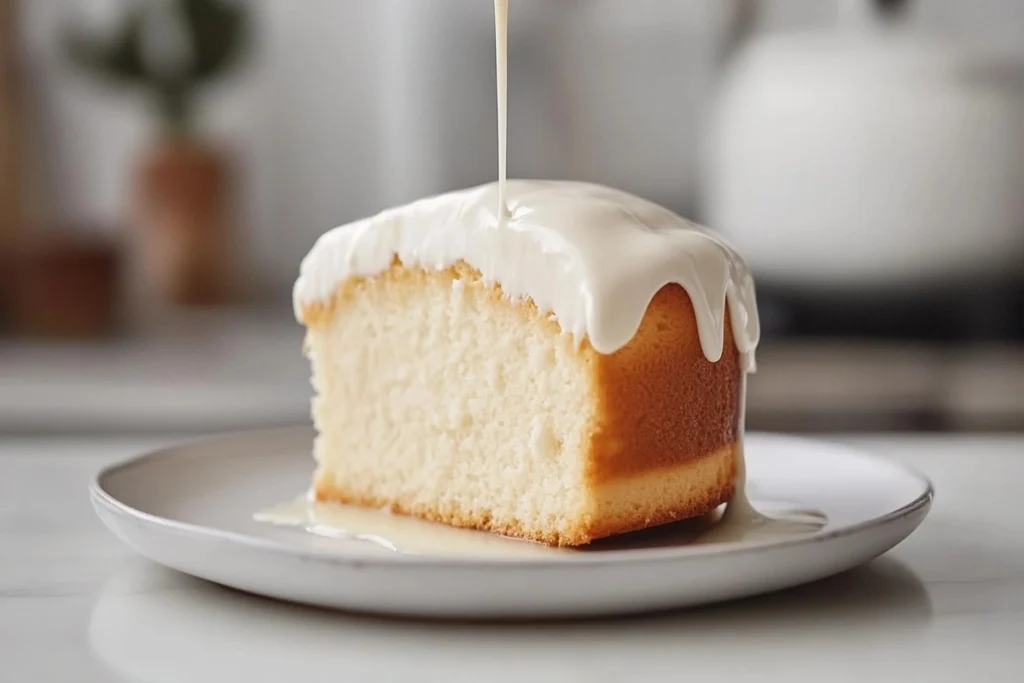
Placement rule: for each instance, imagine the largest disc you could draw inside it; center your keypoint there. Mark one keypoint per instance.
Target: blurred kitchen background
(165, 164)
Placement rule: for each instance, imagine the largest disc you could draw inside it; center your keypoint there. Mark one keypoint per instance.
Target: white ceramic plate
(191, 508)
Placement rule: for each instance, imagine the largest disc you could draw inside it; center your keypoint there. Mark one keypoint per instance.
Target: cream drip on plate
(380, 530)
(591, 256)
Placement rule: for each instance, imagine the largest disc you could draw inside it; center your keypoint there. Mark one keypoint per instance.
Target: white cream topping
(592, 256)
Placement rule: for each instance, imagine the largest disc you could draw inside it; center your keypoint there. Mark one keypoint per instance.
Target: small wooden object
(10, 126)
(65, 284)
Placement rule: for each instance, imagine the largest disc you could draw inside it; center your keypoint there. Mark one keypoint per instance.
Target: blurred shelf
(223, 372)
(851, 384)
(227, 372)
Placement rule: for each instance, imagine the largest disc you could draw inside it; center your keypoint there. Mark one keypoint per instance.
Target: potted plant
(182, 188)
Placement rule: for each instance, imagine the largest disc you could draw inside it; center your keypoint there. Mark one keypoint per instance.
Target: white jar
(868, 156)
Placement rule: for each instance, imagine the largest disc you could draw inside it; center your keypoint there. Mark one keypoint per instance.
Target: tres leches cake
(566, 371)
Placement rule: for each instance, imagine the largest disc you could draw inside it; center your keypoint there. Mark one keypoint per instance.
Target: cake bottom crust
(619, 505)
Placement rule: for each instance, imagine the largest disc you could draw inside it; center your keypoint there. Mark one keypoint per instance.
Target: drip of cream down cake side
(568, 371)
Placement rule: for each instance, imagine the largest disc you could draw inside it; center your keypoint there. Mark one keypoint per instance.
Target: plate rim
(100, 496)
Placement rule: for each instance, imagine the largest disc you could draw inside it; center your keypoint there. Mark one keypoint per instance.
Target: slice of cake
(567, 373)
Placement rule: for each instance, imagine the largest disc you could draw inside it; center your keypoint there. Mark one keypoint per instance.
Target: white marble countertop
(946, 605)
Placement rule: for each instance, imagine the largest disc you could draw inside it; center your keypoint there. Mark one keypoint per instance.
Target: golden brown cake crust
(661, 402)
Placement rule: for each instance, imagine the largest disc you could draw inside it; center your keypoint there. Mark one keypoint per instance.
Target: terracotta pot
(183, 198)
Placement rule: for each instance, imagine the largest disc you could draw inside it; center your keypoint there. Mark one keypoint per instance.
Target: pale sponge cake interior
(440, 397)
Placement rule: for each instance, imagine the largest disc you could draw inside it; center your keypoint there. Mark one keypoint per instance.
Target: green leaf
(219, 32)
(120, 60)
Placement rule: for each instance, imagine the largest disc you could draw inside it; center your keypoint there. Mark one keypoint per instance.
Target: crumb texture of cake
(458, 380)
(439, 397)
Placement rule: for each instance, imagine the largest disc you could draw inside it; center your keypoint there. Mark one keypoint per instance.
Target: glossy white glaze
(592, 256)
